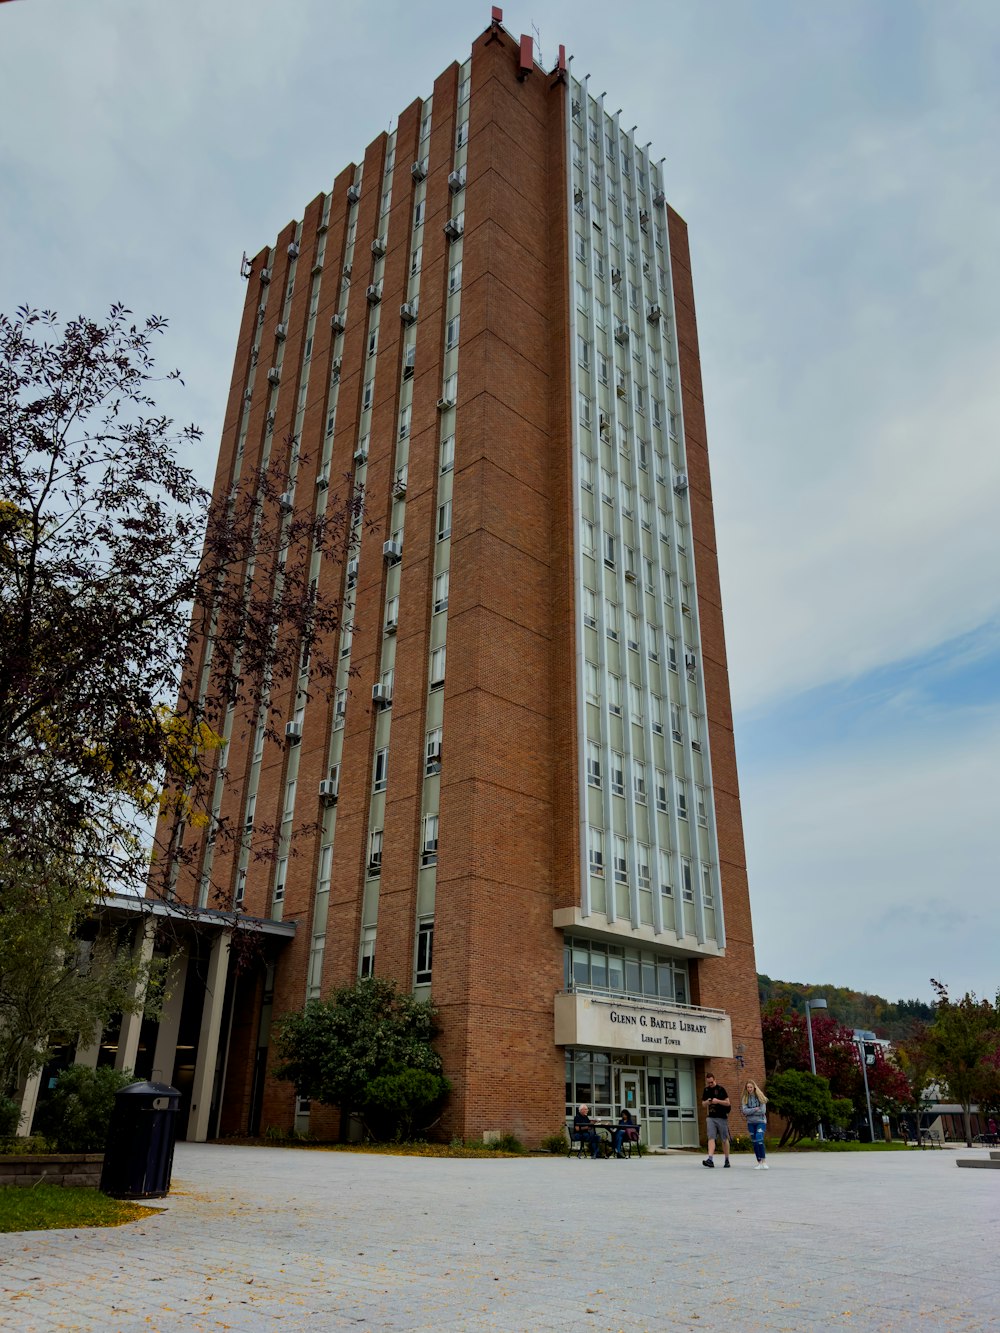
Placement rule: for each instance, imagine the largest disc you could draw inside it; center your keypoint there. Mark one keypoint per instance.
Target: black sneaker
(726, 1162)
(708, 1162)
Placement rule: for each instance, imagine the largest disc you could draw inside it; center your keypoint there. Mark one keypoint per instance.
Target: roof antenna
(538, 43)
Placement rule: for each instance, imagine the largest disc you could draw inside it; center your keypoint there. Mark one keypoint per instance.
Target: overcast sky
(838, 168)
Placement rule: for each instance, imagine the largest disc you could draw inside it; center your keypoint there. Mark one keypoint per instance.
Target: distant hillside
(853, 1008)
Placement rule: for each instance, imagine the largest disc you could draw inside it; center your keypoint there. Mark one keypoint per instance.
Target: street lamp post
(817, 1003)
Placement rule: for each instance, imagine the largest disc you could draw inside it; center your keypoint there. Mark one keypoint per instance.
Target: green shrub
(507, 1143)
(555, 1143)
(403, 1102)
(10, 1115)
(741, 1143)
(77, 1115)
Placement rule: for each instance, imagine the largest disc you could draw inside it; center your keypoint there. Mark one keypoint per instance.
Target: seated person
(626, 1129)
(584, 1131)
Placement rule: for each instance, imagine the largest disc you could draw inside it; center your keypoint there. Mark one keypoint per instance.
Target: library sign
(606, 1023)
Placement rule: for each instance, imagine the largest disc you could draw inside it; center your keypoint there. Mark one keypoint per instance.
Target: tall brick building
(524, 786)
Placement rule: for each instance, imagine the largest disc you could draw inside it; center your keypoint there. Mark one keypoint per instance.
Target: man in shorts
(715, 1100)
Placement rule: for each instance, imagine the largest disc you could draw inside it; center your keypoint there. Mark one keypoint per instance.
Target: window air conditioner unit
(659, 198)
(392, 624)
(353, 193)
(335, 369)
(281, 332)
(392, 551)
(434, 754)
(322, 229)
(337, 322)
(348, 269)
(247, 394)
(419, 170)
(270, 422)
(293, 250)
(578, 196)
(680, 483)
(361, 456)
(654, 314)
(630, 575)
(443, 404)
(352, 569)
(374, 293)
(265, 276)
(293, 732)
(454, 228)
(616, 277)
(643, 219)
(378, 247)
(456, 181)
(381, 694)
(262, 310)
(317, 269)
(621, 333)
(690, 661)
(408, 312)
(696, 745)
(322, 481)
(620, 390)
(286, 502)
(328, 791)
(576, 108)
(274, 375)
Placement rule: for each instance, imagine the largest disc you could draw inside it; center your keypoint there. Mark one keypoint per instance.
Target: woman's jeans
(757, 1136)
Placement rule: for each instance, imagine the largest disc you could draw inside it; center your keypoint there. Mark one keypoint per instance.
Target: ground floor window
(659, 1090)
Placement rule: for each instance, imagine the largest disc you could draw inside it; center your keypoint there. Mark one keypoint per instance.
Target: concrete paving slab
(256, 1237)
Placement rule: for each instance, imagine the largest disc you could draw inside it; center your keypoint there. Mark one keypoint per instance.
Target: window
(656, 714)
(429, 850)
(621, 860)
(682, 799)
(587, 473)
(595, 852)
(645, 513)
(415, 261)
(707, 892)
(280, 876)
(632, 631)
(381, 772)
(366, 963)
(583, 404)
(687, 889)
(392, 613)
(462, 136)
(617, 774)
(657, 410)
(701, 806)
(663, 866)
(447, 453)
(373, 342)
(455, 277)
(607, 487)
(675, 721)
(639, 781)
(367, 395)
(405, 417)
(652, 648)
(437, 668)
(609, 550)
(425, 951)
(386, 201)
(601, 316)
(444, 521)
(463, 90)
(671, 653)
(635, 703)
(611, 620)
(418, 213)
(580, 246)
(375, 852)
(642, 868)
(583, 352)
(590, 608)
(648, 575)
(602, 367)
(582, 297)
(615, 695)
(661, 791)
(639, 398)
(339, 708)
(441, 591)
(307, 354)
(451, 333)
(593, 764)
(432, 752)
(592, 683)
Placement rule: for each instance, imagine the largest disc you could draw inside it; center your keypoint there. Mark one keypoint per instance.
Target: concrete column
(208, 1039)
(87, 1052)
(165, 1054)
(128, 1038)
(29, 1100)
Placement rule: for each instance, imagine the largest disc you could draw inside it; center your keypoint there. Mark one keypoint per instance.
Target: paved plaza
(255, 1238)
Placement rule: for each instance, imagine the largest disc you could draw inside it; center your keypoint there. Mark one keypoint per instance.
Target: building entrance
(630, 1091)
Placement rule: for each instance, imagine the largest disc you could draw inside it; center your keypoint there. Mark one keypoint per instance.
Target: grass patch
(453, 1149)
(50, 1207)
(816, 1145)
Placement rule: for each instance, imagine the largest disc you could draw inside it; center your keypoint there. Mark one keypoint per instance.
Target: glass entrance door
(630, 1096)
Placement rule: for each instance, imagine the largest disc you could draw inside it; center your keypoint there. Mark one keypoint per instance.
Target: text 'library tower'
(523, 788)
